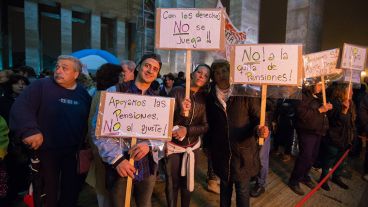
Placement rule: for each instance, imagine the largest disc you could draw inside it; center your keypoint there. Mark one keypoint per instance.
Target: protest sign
(352, 76)
(271, 64)
(130, 115)
(266, 64)
(194, 29)
(320, 63)
(353, 57)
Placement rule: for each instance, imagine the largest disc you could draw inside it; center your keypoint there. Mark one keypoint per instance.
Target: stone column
(66, 31)
(205, 3)
(120, 45)
(2, 33)
(245, 16)
(32, 40)
(95, 31)
(304, 23)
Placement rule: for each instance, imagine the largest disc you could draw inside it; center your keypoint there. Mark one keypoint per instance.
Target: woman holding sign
(182, 149)
(311, 125)
(340, 134)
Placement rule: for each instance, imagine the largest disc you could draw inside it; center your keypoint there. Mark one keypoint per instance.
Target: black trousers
(308, 152)
(241, 190)
(61, 183)
(176, 182)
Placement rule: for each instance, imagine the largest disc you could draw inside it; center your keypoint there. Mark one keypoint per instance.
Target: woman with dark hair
(106, 76)
(13, 87)
(16, 160)
(182, 149)
(311, 126)
(339, 137)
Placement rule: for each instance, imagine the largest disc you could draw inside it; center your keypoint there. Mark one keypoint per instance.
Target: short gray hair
(131, 65)
(76, 61)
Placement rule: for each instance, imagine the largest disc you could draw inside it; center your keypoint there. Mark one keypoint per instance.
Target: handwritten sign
(195, 29)
(271, 64)
(320, 63)
(354, 74)
(353, 57)
(130, 115)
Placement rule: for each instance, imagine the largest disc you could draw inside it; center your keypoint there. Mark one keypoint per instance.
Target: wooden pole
(263, 111)
(323, 90)
(350, 85)
(128, 191)
(187, 77)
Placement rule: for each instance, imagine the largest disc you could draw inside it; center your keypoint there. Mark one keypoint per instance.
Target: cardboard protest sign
(130, 115)
(353, 57)
(320, 63)
(352, 76)
(194, 29)
(271, 64)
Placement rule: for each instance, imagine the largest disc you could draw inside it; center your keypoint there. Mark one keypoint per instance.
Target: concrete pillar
(205, 3)
(2, 32)
(95, 31)
(245, 16)
(66, 31)
(120, 45)
(32, 40)
(304, 23)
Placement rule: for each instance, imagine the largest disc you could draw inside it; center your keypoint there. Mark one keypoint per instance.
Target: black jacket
(309, 119)
(363, 115)
(196, 122)
(231, 136)
(341, 126)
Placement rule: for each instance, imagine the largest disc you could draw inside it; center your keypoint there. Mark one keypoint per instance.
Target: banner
(232, 36)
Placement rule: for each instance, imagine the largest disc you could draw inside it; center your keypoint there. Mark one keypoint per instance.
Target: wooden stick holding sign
(263, 111)
(128, 190)
(187, 77)
(323, 90)
(350, 84)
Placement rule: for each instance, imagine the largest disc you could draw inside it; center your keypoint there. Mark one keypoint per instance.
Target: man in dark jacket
(233, 125)
(50, 116)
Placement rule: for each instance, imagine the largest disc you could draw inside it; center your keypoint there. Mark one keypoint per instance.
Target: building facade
(35, 32)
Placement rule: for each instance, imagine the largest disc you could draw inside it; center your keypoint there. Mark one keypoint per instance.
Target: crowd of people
(53, 117)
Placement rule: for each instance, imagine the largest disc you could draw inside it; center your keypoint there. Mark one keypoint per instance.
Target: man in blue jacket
(50, 116)
(117, 151)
